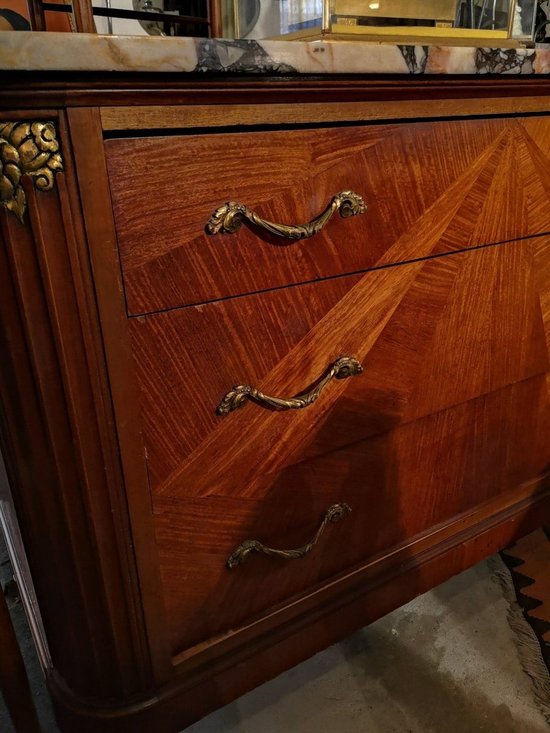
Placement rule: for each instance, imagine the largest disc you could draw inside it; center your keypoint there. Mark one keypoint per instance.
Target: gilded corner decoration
(27, 148)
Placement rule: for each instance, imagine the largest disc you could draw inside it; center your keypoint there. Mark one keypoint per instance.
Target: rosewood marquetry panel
(451, 410)
(492, 174)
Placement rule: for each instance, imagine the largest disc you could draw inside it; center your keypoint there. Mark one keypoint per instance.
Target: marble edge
(30, 51)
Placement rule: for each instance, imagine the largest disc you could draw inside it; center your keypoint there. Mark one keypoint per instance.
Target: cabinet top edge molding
(38, 51)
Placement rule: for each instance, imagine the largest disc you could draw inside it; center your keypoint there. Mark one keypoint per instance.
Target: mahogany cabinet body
(124, 322)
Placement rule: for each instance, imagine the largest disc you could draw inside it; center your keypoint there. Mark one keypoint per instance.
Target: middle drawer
(429, 187)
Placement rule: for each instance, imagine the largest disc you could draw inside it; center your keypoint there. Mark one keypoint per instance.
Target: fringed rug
(528, 561)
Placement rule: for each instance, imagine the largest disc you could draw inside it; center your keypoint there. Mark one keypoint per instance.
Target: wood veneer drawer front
(429, 335)
(399, 485)
(451, 410)
(472, 182)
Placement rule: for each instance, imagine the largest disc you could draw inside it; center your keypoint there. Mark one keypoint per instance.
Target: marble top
(88, 52)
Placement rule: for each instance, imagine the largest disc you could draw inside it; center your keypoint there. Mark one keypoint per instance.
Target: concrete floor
(445, 663)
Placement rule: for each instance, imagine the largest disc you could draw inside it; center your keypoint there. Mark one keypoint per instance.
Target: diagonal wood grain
(489, 333)
(195, 169)
(399, 485)
(290, 176)
(452, 409)
(351, 326)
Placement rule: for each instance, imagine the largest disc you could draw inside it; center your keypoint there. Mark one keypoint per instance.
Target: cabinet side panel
(60, 446)
(93, 189)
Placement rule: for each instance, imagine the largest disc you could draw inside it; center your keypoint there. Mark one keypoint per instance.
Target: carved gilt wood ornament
(29, 148)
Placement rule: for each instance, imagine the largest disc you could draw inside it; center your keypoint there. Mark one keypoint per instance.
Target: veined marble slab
(87, 52)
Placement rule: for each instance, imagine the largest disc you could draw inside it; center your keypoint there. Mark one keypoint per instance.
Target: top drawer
(475, 181)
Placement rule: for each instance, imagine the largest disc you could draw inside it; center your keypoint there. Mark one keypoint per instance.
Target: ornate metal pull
(334, 514)
(345, 366)
(229, 217)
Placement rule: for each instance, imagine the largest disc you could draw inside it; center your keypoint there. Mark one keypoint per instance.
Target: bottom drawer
(398, 485)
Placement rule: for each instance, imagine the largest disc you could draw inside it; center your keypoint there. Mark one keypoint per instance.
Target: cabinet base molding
(206, 682)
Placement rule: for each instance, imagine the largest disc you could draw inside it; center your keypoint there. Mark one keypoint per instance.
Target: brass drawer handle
(229, 217)
(345, 366)
(334, 514)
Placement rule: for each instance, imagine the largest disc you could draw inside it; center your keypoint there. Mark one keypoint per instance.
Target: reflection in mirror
(270, 18)
(468, 22)
(156, 17)
(461, 18)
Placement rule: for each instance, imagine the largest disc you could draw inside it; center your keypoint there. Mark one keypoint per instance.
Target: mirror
(466, 22)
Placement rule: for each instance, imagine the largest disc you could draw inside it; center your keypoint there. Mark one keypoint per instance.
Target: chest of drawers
(262, 383)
